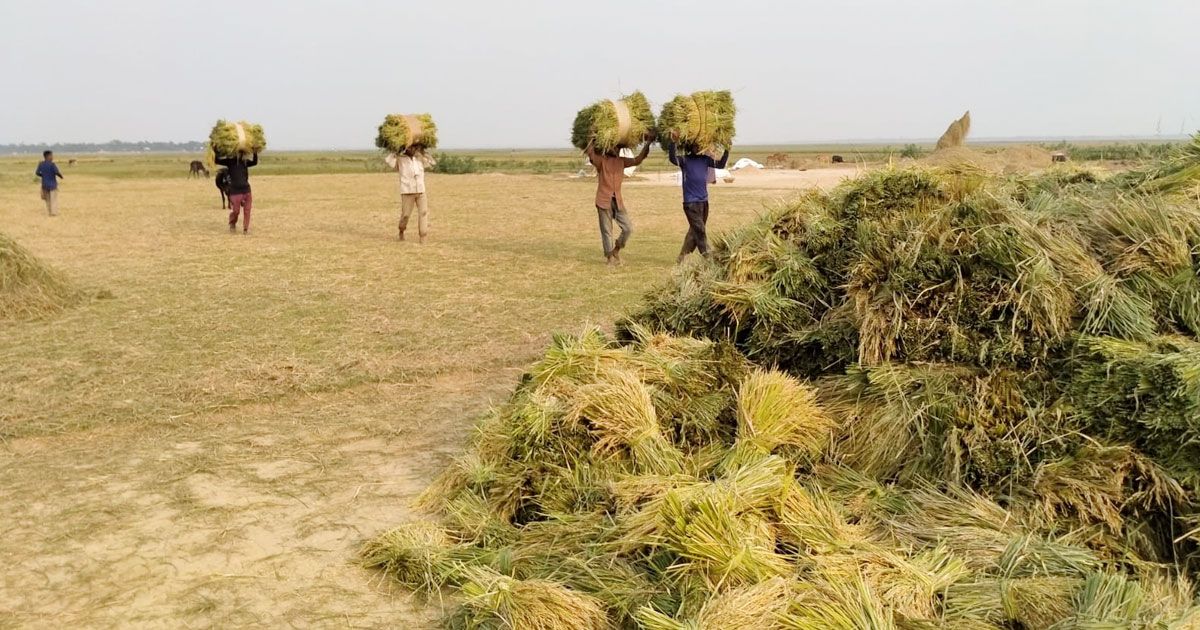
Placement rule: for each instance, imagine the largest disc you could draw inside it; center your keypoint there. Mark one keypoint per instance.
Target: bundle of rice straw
(229, 139)
(956, 133)
(700, 121)
(400, 131)
(613, 124)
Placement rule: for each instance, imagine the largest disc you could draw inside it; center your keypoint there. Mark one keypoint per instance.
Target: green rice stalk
(775, 410)
(754, 607)
(726, 548)
(648, 504)
(619, 410)
(1088, 486)
(842, 605)
(1109, 598)
(1034, 603)
(422, 556)
(491, 599)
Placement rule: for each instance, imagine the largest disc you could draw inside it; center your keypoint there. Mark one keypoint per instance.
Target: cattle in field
(197, 168)
(222, 181)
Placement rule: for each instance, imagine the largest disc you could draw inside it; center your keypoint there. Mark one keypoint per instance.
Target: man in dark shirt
(48, 171)
(240, 199)
(610, 172)
(694, 168)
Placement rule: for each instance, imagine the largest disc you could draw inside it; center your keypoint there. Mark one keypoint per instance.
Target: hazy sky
(321, 74)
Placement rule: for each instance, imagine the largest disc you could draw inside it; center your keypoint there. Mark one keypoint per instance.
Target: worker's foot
(612, 260)
(246, 232)
(401, 235)
(232, 228)
(617, 258)
(421, 240)
(680, 259)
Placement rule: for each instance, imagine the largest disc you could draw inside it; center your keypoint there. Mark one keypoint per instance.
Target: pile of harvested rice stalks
(927, 399)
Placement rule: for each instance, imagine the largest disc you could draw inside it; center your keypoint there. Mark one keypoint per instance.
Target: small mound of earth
(998, 159)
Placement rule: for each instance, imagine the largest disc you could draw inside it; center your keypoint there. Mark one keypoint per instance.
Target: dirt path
(244, 518)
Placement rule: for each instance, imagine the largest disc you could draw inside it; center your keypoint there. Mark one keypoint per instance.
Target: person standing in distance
(48, 171)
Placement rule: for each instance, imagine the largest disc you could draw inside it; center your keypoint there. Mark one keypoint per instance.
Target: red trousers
(240, 203)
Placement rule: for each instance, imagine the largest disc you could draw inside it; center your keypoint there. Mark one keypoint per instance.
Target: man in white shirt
(411, 165)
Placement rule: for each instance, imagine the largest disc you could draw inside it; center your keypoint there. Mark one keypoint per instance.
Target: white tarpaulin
(628, 153)
(744, 163)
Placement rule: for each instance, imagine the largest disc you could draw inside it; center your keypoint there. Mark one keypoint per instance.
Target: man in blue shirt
(694, 168)
(48, 171)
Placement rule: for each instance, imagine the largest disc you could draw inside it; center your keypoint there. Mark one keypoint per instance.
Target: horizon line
(837, 142)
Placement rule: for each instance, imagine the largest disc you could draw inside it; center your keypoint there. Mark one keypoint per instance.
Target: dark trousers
(607, 217)
(697, 236)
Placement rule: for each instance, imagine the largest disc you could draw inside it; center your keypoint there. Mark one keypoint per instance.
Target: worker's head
(48, 155)
(411, 150)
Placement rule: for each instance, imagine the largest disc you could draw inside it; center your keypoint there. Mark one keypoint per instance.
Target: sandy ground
(226, 523)
(210, 447)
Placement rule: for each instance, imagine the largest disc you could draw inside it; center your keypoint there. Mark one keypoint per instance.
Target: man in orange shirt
(610, 172)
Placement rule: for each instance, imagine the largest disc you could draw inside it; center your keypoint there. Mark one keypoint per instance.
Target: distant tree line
(112, 146)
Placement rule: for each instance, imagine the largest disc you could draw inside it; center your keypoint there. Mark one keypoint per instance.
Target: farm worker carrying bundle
(411, 164)
(696, 171)
(610, 206)
(240, 199)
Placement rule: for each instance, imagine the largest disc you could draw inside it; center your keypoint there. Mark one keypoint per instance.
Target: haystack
(956, 133)
(28, 286)
(700, 121)
(229, 139)
(400, 131)
(999, 160)
(613, 124)
(927, 399)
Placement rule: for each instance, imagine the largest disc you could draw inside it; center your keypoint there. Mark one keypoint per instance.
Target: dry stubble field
(208, 446)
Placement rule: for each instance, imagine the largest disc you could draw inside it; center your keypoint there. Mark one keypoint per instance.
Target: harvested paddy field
(209, 436)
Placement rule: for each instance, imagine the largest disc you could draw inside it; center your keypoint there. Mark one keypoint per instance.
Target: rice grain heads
(229, 139)
(400, 131)
(30, 287)
(699, 121)
(613, 124)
